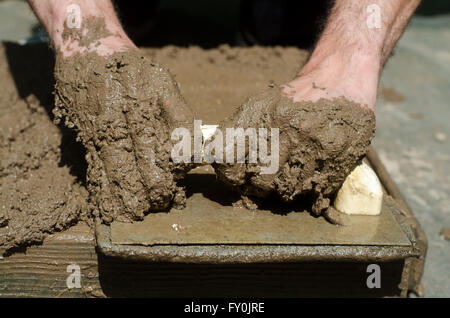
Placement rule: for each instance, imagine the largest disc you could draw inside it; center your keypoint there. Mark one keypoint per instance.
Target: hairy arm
(369, 28)
(355, 44)
(59, 15)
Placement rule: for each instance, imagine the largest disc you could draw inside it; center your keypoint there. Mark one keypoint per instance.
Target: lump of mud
(44, 202)
(41, 173)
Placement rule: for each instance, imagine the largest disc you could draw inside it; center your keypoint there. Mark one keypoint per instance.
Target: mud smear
(91, 31)
(320, 143)
(445, 233)
(391, 95)
(41, 166)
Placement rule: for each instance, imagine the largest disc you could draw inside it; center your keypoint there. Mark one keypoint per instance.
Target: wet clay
(41, 186)
(124, 108)
(320, 143)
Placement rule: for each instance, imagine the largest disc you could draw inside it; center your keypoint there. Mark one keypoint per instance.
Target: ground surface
(413, 133)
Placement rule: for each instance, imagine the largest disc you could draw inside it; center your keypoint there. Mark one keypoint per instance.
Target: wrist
(353, 75)
(78, 26)
(349, 60)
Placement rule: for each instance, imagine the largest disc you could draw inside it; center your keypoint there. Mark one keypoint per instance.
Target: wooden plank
(41, 271)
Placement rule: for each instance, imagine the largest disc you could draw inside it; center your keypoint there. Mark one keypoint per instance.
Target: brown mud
(91, 31)
(44, 175)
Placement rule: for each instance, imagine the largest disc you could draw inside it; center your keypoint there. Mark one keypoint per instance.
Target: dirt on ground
(44, 174)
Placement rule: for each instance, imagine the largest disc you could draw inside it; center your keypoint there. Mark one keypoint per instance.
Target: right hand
(124, 108)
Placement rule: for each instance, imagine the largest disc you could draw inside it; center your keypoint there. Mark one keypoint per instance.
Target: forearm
(57, 16)
(353, 36)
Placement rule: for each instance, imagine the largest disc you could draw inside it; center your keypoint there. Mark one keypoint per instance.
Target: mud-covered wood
(41, 271)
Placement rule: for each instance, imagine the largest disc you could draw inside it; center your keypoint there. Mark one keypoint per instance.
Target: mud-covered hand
(319, 145)
(124, 108)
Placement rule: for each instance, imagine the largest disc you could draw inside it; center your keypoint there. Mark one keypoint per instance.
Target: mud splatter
(91, 31)
(391, 95)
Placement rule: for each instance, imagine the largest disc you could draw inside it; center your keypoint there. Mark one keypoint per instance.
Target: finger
(91, 98)
(255, 113)
(101, 195)
(149, 120)
(174, 106)
(149, 134)
(121, 171)
(114, 146)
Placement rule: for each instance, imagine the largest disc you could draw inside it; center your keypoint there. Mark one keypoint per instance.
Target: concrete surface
(413, 135)
(17, 21)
